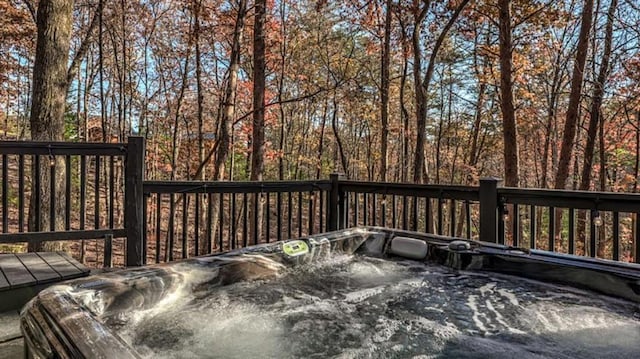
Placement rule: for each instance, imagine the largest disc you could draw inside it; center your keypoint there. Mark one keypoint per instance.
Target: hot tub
(356, 293)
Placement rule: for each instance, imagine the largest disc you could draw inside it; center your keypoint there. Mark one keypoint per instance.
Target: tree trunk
(420, 95)
(510, 147)
(229, 103)
(422, 85)
(258, 144)
(384, 93)
(54, 23)
(196, 39)
(228, 110)
(566, 150)
(596, 102)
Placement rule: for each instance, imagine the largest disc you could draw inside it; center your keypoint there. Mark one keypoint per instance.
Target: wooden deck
(23, 275)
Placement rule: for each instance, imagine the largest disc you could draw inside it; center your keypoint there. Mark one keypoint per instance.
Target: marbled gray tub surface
(353, 306)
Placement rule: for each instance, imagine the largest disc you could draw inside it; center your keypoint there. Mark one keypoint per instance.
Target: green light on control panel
(295, 248)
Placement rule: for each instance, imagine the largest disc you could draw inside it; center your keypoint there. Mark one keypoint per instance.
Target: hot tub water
(351, 306)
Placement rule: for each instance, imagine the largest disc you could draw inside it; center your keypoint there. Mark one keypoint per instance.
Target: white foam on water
(361, 295)
(550, 317)
(472, 303)
(510, 296)
(487, 288)
(500, 319)
(354, 307)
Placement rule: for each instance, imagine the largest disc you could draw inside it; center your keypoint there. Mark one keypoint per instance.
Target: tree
(509, 129)
(571, 120)
(422, 83)
(48, 106)
(384, 92)
(51, 80)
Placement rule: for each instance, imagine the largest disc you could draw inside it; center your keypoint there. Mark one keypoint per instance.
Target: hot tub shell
(67, 320)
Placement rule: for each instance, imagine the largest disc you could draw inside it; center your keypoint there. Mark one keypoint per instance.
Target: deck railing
(100, 184)
(167, 220)
(193, 218)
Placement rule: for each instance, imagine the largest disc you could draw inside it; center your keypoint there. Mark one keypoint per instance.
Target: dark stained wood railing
(168, 220)
(94, 190)
(186, 219)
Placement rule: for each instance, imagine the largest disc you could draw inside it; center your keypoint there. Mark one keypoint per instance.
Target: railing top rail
(234, 187)
(62, 235)
(62, 148)
(605, 201)
(457, 192)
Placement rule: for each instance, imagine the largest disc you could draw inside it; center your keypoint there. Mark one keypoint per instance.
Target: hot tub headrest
(408, 247)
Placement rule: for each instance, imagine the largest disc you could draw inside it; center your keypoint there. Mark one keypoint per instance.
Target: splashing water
(362, 307)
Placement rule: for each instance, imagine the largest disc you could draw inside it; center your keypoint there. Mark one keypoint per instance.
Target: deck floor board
(38, 268)
(23, 275)
(3, 280)
(15, 271)
(61, 264)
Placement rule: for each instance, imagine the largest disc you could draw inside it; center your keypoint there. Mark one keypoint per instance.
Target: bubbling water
(363, 307)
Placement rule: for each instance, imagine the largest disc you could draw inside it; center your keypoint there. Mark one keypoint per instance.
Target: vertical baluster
(300, 214)
(268, 216)
(375, 209)
(232, 221)
(516, 225)
(245, 209)
(501, 225)
(440, 214)
(552, 229)
(210, 240)
(429, 217)
(356, 209)
(346, 207)
(196, 225)
(5, 195)
(279, 216)
(255, 217)
(221, 222)
(36, 176)
(532, 227)
(158, 223)
(572, 231)
(452, 218)
(311, 212)
(593, 234)
(405, 215)
(289, 212)
(112, 191)
(383, 210)
(414, 213)
(636, 249)
(96, 214)
(83, 192)
(320, 212)
(52, 193)
(21, 193)
(67, 199)
(616, 236)
(365, 209)
(394, 206)
(185, 226)
(145, 226)
(467, 209)
(172, 212)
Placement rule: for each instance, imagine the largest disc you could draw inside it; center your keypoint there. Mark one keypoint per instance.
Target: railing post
(489, 209)
(134, 202)
(108, 251)
(343, 210)
(334, 202)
